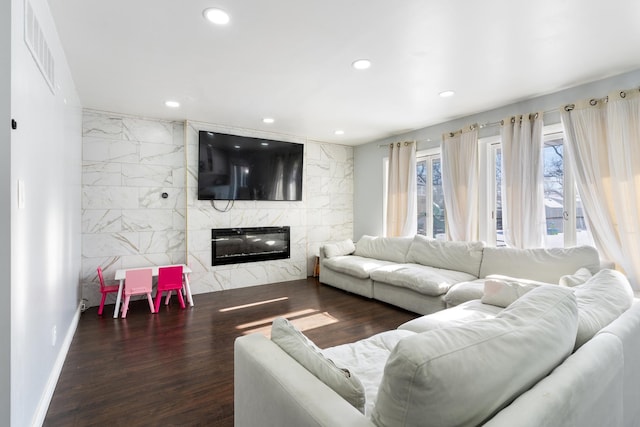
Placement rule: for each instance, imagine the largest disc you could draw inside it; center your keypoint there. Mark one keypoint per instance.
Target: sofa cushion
(601, 300)
(464, 291)
(466, 312)
(575, 279)
(463, 375)
(344, 247)
(366, 359)
(353, 265)
(544, 265)
(420, 278)
(383, 248)
(460, 256)
(502, 293)
(306, 353)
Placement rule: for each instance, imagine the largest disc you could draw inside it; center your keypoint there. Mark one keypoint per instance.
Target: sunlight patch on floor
(253, 304)
(303, 320)
(290, 315)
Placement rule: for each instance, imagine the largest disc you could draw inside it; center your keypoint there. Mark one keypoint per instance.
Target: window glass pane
(421, 172)
(437, 199)
(498, 202)
(554, 192)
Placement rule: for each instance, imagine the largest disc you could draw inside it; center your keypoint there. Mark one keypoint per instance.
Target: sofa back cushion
(459, 256)
(601, 300)
(545, 265)
(383, 248)
(463, 375)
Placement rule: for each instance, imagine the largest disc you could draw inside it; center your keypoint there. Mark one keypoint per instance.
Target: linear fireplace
(238, 245)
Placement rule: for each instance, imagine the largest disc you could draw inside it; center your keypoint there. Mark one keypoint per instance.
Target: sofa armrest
(585, 390)
(272, 389)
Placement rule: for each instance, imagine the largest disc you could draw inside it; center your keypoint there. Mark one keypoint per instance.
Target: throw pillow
(601, 300)
(575, 279)
(463, 375)
(306, 353)
(502, 293)
(345, 247)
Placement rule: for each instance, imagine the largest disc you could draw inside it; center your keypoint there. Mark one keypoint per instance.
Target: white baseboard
(47, 395)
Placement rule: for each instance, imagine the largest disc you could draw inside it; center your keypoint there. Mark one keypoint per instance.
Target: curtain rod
(386, 145)
(480, 126)
(499, 122)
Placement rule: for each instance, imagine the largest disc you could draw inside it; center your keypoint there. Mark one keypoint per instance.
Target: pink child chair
(184, 290)
(169, 279)
(137, 282)
(104, 290)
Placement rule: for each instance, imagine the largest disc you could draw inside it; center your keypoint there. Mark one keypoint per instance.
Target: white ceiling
(291, 59)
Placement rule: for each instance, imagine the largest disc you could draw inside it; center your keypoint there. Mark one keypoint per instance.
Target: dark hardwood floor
(175, 368)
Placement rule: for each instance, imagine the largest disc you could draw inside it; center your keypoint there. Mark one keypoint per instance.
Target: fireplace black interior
(238, 245)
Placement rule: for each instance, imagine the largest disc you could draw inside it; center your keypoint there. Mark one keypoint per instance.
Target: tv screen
(232, 167)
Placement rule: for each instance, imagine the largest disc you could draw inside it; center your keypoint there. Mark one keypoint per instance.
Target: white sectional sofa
(425, 275)
(552, 356)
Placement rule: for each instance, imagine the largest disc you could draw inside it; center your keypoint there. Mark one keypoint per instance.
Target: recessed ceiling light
(447, 94)
(268, 120)
(264, 143)
(339, 132)
(217, 16)
(361, 64)
(172, 104)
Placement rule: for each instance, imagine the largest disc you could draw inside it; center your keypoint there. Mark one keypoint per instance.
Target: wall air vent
(38, 46)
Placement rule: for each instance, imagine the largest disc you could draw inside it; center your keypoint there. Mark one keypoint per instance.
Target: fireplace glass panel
(240, 245)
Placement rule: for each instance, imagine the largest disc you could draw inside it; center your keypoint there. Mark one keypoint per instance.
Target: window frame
(487, 190)
(568, 187)
(428, 156)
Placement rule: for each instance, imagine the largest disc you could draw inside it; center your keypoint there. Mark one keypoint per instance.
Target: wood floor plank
(176, 367)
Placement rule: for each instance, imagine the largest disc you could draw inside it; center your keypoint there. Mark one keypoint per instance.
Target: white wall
(368, 158)
(5, 210)
(129, 161)
(45, 233)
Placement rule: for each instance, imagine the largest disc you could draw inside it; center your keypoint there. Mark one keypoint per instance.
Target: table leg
(118, 298)
(188, 288)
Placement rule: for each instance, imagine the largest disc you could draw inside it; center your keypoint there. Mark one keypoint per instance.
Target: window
(430, 197)
(565, 223)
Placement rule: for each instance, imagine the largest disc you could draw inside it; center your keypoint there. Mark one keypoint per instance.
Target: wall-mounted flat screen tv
(232, 167)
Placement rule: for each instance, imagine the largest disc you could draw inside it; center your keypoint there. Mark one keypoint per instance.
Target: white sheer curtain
(459, 153)
(603, 143)
(401, 190)
(523, 212)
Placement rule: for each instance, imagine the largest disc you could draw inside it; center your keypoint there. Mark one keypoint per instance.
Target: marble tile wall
(129, 162)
